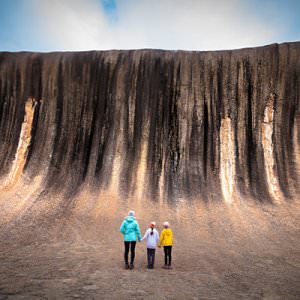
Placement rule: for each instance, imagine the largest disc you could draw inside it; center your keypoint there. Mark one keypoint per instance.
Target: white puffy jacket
(152, 240)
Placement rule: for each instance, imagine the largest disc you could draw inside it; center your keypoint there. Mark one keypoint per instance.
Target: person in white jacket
(152, 237)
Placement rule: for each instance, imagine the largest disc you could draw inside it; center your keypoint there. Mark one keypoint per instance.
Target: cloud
(191, 24)
(74, 24)
(165, 24)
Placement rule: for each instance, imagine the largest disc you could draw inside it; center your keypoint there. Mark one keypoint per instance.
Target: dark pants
(130, 245)
(168, 255)
(150, 257)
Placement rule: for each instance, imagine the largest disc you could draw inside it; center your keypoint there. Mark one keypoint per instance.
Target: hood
(129, 219)
(168, 231)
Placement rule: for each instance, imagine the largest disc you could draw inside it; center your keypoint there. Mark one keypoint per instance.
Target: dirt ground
(220, 252)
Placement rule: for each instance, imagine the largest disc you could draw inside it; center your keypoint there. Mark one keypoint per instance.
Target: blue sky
(51, 25)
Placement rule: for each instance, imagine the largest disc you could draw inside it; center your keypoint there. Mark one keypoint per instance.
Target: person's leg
(153, 257)
(149, 257)
(170, 255)
(132, 250)
(166, 255)
(126, 246)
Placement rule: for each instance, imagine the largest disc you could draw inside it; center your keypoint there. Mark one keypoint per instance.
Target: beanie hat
(131, 213)
(166, 224)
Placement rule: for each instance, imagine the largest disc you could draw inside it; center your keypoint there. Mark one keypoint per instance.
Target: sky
(77, 25)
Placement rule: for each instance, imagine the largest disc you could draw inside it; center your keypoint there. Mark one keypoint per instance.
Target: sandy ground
(52, 251)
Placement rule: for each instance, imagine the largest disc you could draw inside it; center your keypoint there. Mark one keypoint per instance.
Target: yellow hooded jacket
(166, 237)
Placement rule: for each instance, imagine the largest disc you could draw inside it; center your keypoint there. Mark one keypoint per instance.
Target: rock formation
(153, 123)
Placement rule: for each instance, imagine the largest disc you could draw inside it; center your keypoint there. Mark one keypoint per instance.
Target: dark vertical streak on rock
(157, 95)
(93, 93)
(13, 108)
(59, 146)
(251, 155)
(205, 139)
(173, 154)
(103, 111)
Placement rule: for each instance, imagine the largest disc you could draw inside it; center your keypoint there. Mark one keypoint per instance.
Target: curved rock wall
(153, 123)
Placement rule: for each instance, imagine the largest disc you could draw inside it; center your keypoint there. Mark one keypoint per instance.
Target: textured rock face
(159, 124)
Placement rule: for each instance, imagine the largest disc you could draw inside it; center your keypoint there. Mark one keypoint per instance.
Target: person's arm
(145, 236)
(122, 228)
(138, 232)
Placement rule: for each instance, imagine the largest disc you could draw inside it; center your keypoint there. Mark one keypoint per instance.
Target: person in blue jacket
(131, 231)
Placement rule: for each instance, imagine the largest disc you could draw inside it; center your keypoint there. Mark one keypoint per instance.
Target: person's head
(152, 225)
(166, 224)
(131, 213)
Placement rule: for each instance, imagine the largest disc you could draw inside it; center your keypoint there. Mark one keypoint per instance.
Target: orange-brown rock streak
(267, 128)
(227, 156)
(23, 145)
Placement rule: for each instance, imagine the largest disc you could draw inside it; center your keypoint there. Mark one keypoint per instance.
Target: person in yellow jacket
(166, 240)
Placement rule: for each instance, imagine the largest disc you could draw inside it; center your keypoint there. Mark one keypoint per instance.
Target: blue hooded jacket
(130, 229)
